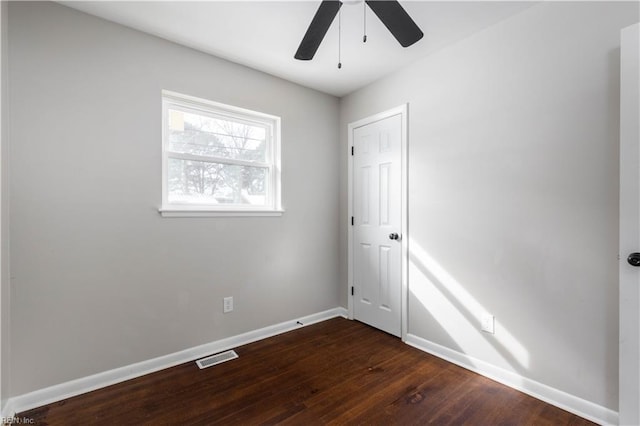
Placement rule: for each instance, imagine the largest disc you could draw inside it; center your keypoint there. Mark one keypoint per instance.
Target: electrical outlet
(227, 304)
(488, 323)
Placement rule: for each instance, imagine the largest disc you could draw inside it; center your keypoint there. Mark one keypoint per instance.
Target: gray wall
(513, 193)
(99, 279)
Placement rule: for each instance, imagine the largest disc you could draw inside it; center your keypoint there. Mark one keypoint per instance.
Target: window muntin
(218, 157)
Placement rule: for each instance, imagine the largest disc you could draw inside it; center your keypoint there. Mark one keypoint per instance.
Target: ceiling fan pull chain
(339, 38)
(364, 14)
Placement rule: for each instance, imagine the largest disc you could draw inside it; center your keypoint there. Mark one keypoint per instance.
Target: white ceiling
(265, 34)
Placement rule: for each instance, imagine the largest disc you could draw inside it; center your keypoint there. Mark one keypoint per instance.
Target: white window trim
(271, 122)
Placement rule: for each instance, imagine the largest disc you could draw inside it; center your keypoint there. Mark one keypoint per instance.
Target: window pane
(198, 182)
(191, 133)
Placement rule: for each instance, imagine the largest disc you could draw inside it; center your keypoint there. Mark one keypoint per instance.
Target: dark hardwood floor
(335, 372)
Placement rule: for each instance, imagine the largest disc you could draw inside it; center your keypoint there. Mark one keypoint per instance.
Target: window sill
(176, 212)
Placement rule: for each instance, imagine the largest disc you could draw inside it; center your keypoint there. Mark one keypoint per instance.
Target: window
(218, 159)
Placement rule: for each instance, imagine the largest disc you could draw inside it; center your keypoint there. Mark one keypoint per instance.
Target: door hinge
(352, 150)
(352, 290)
(352, 221)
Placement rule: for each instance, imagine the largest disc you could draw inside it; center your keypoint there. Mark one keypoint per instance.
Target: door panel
(385, 278)
(365, 194)
(365, 267)
(377, 210)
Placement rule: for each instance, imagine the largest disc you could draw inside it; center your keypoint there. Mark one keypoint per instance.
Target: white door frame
(629, 353)
(403, 111)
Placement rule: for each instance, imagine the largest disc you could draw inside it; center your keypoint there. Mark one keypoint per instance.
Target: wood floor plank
(335, 372)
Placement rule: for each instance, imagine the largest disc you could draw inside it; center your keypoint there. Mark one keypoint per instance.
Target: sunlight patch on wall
(459, 313)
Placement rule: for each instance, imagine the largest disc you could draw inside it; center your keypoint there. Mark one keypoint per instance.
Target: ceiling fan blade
(397, 21)
(317, 29)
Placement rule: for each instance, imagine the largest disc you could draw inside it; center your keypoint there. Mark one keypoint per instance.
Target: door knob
(394, 236)
(634, 259)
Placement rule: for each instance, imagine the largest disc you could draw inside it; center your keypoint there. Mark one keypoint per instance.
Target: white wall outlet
(488, 323)
(227, 304)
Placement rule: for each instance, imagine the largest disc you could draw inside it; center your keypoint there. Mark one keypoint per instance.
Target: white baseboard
(87, 384)
(583, 408)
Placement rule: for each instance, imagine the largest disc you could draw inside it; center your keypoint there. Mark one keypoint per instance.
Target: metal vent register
(216, 359)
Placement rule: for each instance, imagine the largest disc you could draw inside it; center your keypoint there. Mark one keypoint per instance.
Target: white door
(629, 405)
(377, 223)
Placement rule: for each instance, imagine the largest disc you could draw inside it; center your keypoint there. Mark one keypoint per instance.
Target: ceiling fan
(390, 12)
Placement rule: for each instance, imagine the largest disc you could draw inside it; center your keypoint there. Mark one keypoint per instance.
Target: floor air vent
(216, 359)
